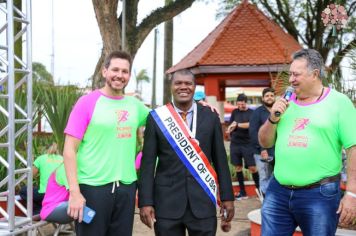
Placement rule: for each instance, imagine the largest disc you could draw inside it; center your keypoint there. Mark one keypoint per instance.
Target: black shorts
(237, 152)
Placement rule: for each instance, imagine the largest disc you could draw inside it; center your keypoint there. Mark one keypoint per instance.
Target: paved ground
(240, 224)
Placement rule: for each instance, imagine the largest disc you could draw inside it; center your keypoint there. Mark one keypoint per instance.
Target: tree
(141, 77)
(303, 21)
(56, 103)
(40, 73)
(136, 32)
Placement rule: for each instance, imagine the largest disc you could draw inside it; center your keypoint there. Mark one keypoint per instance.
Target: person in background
(240, 145)
(199, 96)
(178, 194)
(55, 201)
(308, 133)
(264, 157)
(100, 150)
(43, 166)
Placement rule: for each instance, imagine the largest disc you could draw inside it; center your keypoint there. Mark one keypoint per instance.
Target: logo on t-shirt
(295, 140)
(122, 130)
(122, 116)
(300, 124)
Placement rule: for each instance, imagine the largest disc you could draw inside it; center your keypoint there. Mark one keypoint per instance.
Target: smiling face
(117, 76)
(183, 88)
(300, 77)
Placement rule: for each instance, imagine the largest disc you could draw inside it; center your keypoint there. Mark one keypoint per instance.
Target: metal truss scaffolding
(15, 116)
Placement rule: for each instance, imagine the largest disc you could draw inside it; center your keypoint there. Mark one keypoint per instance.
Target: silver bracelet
(351, 194)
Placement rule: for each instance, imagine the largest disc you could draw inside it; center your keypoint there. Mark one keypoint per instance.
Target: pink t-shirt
(138, 161)
(55, 194)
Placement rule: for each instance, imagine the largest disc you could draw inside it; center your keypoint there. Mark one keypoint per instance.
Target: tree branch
(340, 55)
(352, 9)
(156, 17)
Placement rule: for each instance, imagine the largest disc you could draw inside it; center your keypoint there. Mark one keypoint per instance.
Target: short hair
(267, 90)
(117, 54)
(314, 60)
(183, 72)
(241, 98)
(53, 149)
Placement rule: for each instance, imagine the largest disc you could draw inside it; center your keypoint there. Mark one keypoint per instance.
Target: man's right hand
(76, 205)
(280, 106)
(147, 216)
(231, 127)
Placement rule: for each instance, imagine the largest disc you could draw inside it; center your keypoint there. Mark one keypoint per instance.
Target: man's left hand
(347, 210)
(228, 206)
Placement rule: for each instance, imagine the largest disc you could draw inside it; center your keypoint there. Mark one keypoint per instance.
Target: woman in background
(44, 165)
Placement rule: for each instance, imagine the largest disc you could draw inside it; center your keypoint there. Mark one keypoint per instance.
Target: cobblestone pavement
(240, 224)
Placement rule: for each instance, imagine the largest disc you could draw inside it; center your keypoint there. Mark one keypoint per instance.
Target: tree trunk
(168, 57)
(97, 79)
(106, 16)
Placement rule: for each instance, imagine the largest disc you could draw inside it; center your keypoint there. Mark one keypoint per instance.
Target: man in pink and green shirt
(99, 152)
(309, 132)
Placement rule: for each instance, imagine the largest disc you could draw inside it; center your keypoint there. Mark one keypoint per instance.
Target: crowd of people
(292, 148)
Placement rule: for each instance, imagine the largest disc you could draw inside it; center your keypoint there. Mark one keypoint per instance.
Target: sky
(77, 42)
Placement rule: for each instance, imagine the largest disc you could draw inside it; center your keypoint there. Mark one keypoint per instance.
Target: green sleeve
(347, 117)
(38, 161)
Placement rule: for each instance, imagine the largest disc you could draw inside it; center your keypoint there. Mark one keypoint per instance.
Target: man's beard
(269, 105)
(117, 90)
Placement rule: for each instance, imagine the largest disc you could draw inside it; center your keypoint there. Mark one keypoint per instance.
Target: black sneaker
(241, 196)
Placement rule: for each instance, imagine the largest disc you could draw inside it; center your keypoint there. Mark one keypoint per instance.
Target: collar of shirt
(189, 114)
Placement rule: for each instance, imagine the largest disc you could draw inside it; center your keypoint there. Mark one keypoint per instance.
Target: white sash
(187, 148)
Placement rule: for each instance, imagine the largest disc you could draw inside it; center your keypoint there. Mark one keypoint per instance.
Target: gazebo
(247, 49)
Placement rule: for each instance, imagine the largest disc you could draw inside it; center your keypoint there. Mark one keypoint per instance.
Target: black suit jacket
(170, 186)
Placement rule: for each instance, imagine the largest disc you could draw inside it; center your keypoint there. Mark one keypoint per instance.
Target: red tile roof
(245, 37)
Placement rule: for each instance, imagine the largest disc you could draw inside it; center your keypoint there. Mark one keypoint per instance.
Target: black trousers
(114, 210)
(178, 227)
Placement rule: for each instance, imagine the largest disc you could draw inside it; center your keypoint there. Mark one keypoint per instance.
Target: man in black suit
(171, 195)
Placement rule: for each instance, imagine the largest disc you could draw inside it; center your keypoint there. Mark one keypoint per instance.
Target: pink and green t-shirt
(56, 192)
(107, 128)
(46, 164)
(310, 138)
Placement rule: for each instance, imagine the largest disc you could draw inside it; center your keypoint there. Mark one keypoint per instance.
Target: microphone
(287, 96)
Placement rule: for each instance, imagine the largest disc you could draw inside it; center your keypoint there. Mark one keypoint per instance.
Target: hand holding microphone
(287, 96)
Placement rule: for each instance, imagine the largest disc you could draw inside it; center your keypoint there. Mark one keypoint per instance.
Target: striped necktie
(183, 114)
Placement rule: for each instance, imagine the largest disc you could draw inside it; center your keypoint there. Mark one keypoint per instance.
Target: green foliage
(225, 7)
(140, 78)
(56, 103)
(20, 100)
(40, 74)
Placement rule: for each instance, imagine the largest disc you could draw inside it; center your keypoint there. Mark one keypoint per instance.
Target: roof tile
(245, 37)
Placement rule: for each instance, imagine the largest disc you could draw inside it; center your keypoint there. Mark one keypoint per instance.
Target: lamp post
(123, 25)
